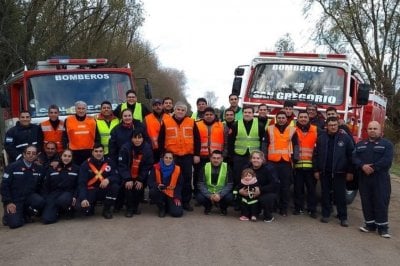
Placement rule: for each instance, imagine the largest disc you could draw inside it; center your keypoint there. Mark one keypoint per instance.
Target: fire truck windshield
(297, 82)
(65, 89)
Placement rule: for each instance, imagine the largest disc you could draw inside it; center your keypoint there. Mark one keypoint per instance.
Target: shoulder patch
(5, 176)
(9, 140)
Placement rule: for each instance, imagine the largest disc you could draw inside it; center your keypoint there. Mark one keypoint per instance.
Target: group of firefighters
(62, 167)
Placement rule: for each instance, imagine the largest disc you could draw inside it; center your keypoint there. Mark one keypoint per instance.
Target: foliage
(211, 98)
(33, 30)
(370, 29)
(285, 44)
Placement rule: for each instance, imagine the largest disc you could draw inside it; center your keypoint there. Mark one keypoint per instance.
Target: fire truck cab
(63, 82)
(325, 80)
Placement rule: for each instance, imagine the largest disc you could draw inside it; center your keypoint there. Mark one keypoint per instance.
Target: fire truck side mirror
(239, 71)
(147, 91)
(237, 85)
(363, 94)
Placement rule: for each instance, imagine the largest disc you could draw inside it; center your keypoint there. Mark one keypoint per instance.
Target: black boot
(107, 213)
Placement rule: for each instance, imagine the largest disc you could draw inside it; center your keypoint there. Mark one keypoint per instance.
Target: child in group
(249, 190)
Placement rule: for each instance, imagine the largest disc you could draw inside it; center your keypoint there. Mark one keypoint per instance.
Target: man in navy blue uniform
(332, 165)
(98, 180)
(19, 189)
(23, 134)
(373, 158)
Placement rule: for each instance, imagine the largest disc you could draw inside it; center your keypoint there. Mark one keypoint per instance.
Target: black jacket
(342, 153)
(125, 161)
(62, 179)
(18, 138)
(20, 181)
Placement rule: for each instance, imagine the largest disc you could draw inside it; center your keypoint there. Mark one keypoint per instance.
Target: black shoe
(28, 219)
(70, 214)
(324, 220)
(344, 223)
(207, 211)
(32, 211)
(313, 215)
(129, 214)
(283, 213)
(107, 214)
(137, 212)
(223, 212)
(298, 212)
(384, 233)
(367, 229)
(187, 207)
(161, 212)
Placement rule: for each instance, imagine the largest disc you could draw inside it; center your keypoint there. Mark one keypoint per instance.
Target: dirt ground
(196, 239)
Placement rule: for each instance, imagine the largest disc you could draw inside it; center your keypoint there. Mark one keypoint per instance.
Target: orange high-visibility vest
(169, 190)
(81, 134)
(280, 144)
(153, 126)
(307, 142)
(211, 137)
(98, 174)
(179, 138)
(53, 135)
(136, 159)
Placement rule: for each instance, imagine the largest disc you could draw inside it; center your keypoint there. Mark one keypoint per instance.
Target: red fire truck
(63, 82)
(325, 80)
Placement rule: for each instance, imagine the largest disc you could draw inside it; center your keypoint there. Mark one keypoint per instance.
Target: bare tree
(285, 44)
(211, 98)
(370, 29)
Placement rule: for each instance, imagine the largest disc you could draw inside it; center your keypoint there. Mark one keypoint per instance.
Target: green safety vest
(137, 114)
(221, 177)
(244, 141)
(105, 130)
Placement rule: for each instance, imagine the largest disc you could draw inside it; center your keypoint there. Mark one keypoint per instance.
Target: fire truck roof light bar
(91, 61)
(304, 55)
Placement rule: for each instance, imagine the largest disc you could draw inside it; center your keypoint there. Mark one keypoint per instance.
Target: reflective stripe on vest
(244, 141)
(53, 135)
(307, 142)
(179, 138)
(105, 130)
(137, 114)
(135, 166)
(170, 188)
(280, 144)
(211, 137)
(98, 174)
(81, 134)
(214, 188)
(153, 125)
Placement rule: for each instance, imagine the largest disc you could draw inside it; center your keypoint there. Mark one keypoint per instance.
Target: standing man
(228, 122)
(20, 188)
(373, 158)
(215, 184)
(168, 105)
(53, 128)
(201, 104)
(153, 123)
(211, 138)
(332, 166)
(23, 134)
(105, 122)
(98, 180)
(180, 135)
(316, 118)
(80, 132)
(139, 111)
(283, 148)
(263, 114)
(246, 136)
(234, 105)
(304, 174)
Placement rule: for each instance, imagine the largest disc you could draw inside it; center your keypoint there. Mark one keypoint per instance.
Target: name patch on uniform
(8, 139)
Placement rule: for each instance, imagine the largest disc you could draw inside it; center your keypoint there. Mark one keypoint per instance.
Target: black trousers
(305, 178)
(285, 174)
(56, 202)
(335, 183)
(185, 162)
(375, 193)
(223, 203)
(165, 202)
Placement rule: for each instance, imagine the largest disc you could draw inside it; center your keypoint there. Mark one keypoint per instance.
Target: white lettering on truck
(300, 68)
(67, 77)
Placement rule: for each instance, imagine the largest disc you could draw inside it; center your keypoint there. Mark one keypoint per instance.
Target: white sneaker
(269, 220)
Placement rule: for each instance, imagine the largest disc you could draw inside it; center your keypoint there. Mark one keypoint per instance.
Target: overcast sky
(208, 39)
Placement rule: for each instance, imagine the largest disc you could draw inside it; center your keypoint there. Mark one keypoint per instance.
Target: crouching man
(98, 180)
(215, 184)
(19, 189)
